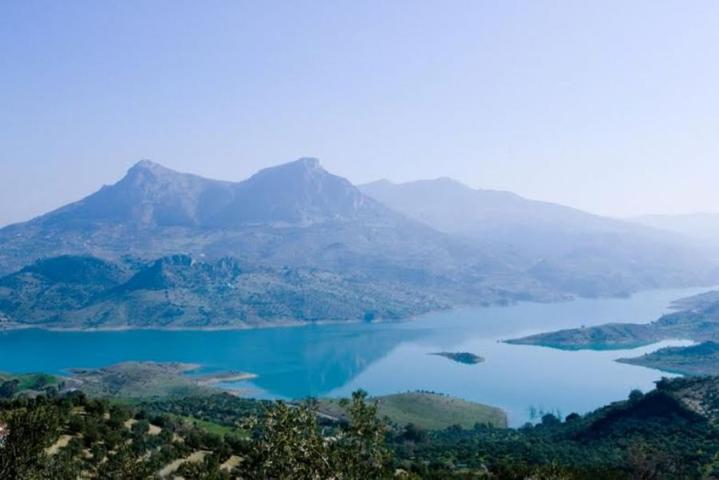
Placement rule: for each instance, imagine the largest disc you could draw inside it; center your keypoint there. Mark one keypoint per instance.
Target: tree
(140, 428)
(30, 432)
(125, 465)
(635, 395)
(9, 388)
(208, 469)
(360, 451)
(549, 419)
(289, 444)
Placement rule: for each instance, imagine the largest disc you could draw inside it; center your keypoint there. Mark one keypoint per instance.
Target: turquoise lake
(334, 360)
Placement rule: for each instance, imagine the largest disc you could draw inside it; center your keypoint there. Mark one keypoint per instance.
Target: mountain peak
(299, 192)
(308, 162)
(301, 165)
(150, 195)
(145, 165)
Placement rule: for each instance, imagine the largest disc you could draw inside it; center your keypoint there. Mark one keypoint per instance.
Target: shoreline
(293, 323)
(218, 328)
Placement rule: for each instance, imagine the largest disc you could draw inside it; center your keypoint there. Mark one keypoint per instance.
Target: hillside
(671, 429)
(135, 380)
(701, 359)
(575, 251)
(426, 410)
(182, 292)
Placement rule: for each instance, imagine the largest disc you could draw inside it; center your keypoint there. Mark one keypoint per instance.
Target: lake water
(334, 360)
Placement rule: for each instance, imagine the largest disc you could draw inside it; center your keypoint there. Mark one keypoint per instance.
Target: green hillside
(430, 411)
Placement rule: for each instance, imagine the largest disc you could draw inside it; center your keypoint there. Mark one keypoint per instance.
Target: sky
(608, 106)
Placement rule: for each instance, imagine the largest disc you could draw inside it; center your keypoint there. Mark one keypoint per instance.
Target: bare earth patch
(172, 467)
(231, 463)
(61, 443)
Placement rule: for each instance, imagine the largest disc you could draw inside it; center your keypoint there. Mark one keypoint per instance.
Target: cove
(334, 360)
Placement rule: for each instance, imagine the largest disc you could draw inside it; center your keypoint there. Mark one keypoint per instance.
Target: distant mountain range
(296, 243)
(700, 226)
(570, 249)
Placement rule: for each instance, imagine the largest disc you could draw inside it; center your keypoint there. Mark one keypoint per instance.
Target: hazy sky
(612, 107)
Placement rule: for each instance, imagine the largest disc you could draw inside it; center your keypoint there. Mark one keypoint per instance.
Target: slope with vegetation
(700, 359)
(181, 291)
(427, 410)
(668, 433)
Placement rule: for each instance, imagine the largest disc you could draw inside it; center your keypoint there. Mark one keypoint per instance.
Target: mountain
(291, 214)
(573, 250)
(295, 217)
(700, 226)
(294, 242)
(150, 195)
(453, 207)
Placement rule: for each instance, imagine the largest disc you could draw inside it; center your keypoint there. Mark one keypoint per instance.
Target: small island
(461, 357)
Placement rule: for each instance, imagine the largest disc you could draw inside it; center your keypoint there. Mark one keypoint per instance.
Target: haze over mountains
(294, 242)
(700, 226)
(574, 250)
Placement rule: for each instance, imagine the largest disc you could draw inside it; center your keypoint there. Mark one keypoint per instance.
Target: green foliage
(359, 450)
(125, 464)
(288, 444)
(221, 409)
(9, 388)
(208, 469)
(653, 436)
(31, 429)
(11, 384)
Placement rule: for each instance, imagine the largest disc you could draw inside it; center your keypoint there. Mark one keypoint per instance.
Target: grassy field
(212, 427)
(431, 411)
